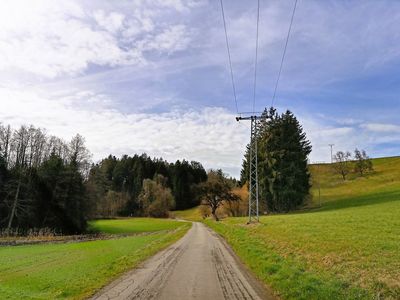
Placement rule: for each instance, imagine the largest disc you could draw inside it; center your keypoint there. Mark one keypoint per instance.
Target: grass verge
(77, 270)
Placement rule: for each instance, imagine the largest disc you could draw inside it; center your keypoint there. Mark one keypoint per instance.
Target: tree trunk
(213, 211)
(14, 205)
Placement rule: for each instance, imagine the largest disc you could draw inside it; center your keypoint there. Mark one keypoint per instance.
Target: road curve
(198, 266)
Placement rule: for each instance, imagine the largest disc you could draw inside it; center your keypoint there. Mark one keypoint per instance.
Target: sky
(136, 76)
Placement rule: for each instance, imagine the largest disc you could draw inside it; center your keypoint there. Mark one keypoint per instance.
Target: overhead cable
(284, 53)
(229, 56)
(255, 64)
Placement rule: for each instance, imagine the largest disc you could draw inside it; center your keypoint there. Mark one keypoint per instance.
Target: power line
(284, 53)
(229, 56)
(255, 65)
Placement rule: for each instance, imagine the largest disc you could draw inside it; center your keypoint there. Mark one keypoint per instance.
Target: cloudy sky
(152, 76)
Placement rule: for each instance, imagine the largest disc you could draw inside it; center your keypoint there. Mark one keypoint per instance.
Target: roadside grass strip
(78, 270)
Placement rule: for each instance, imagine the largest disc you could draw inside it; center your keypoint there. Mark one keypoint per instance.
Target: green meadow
(192, 214)
(76, 270)
(349, 248)
(132, 225)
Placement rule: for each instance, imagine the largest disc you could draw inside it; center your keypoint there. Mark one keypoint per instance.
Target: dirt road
(199, 266)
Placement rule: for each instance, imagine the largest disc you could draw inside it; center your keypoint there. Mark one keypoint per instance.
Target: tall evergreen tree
(61, 202)
(283, 149)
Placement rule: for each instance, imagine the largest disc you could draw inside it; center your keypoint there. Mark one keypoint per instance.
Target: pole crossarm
(249, 116)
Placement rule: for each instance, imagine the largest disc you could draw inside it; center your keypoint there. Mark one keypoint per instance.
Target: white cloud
(172, 39)
(344, 138)
(383, 128)
(49, 39)
(111, 22)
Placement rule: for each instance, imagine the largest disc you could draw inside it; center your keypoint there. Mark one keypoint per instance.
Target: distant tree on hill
(362, 162)
(342, 161)
(216, 191)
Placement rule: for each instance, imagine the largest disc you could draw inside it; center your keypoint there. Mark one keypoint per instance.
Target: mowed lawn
(76, 270)
(347, 249)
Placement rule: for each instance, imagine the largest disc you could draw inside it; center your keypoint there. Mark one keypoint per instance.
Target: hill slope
(375, 186)
(349, 248)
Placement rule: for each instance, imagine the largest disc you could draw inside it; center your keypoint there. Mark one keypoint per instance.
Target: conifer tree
(283, 149)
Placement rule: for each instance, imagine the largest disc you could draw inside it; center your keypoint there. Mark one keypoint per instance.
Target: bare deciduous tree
(80, 154)
(5, 139)
(342, 163)
(362, 162)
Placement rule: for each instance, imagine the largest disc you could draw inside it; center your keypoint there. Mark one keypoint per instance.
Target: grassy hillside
(374, 187)
(76, 270)
(347, 249)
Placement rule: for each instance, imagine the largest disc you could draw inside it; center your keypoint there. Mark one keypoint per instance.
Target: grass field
(347, 249)
(192, 214)
(129, 225)
(77, 270)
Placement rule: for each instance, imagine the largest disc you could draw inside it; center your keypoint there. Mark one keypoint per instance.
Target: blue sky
(152, 76)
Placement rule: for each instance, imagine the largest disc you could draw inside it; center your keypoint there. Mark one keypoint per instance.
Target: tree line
(42, 180)
(48, 182)
(116, 185)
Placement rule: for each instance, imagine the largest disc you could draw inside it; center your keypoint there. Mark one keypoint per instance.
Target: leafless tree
(362, 162)
(342, 161)
(19, 144)
(80, 154)
(5, 140)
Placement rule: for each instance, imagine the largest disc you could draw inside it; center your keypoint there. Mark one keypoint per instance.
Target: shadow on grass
(362, 200)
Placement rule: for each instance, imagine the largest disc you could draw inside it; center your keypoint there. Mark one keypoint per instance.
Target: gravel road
(199, 266)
